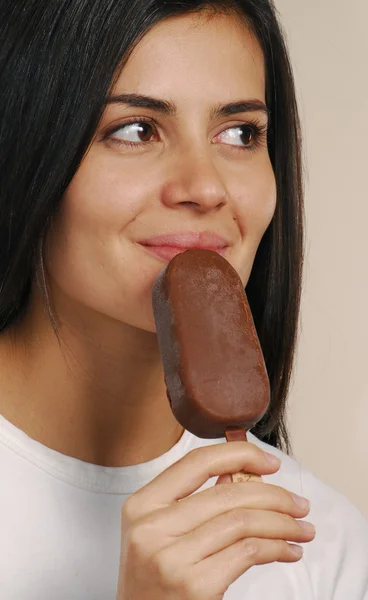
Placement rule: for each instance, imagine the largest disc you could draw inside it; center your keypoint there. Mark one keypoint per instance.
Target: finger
(229, 528)
(224, 479)
(232, 562)
(188, 474)
(184, 516)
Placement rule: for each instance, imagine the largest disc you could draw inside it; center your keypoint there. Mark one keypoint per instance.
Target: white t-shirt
(60, 528)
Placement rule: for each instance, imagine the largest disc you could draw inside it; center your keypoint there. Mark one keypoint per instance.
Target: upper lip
(202, 239)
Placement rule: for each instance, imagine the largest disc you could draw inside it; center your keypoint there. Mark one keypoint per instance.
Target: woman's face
(188, 162)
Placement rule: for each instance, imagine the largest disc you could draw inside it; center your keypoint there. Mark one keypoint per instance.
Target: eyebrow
(168, 108)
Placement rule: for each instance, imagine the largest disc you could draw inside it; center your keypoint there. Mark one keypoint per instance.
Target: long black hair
(59, 59)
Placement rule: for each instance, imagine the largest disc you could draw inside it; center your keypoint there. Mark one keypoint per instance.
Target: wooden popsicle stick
(239, 435)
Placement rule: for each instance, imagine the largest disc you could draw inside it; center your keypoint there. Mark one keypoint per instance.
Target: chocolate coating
(213, 364)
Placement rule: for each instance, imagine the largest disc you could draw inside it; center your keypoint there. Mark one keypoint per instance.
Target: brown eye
(242, 135)
(246, 135)
(134, 132)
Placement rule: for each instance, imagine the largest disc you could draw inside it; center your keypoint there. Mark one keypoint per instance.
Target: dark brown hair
(58, 61)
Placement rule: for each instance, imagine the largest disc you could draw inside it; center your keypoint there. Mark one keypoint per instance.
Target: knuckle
(252, 549)
(289, 499)
(196, 458)
(225, 495)
(191, 590)
(279, 493)
(173, 576)
(129, 511)
(137, 541)
(282, 497)
(281, 549)
(288, 522)
(167, 569)
(239, 517)
(194, 454)
(200, 457)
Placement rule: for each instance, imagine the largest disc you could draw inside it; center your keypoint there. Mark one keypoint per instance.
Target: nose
(195, 182)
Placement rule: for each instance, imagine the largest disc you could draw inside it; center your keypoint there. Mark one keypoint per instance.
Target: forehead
(196, 57)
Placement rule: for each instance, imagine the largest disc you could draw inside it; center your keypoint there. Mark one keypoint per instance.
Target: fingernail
(297, 550)
(300, 501)
(271, 458)
(308, 527)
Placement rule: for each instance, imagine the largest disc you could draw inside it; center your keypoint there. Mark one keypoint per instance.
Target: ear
(224, 479)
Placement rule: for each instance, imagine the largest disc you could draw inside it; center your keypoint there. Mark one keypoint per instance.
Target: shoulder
(335, 563)
(340, 548)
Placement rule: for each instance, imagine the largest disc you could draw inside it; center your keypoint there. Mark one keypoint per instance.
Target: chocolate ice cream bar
(214, 369)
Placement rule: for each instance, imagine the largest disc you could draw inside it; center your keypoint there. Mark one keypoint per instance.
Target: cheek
(86, 229)
(256, 206)
(100, 199)
(89, 254)
(103, 199)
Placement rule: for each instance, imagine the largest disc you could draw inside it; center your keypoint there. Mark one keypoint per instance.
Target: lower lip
(168, 252)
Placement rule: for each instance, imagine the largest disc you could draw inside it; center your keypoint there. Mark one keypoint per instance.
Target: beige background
(329, 399)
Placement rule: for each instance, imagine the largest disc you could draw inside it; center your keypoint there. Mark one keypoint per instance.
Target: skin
(106, 383)
(99, 394)
(181, 545)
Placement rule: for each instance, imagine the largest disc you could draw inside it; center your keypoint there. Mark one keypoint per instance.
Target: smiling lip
(168, 246)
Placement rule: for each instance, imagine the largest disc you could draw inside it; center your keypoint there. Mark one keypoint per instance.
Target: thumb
(224, 479)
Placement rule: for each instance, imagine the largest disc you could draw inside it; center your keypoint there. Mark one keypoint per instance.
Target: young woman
(130, 130)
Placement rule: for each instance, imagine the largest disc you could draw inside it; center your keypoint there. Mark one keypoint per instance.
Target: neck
(97, 393)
